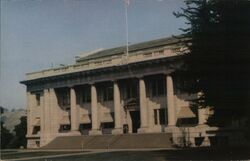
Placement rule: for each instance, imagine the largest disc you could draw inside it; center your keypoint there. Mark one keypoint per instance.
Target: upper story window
(38, 99)
(161, 52)
(107, 61)
(97, 63)
(147, 55)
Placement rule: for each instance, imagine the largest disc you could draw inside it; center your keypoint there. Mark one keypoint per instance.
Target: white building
(108, 92)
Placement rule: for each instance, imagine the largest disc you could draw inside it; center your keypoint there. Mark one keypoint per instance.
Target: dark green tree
(218, 62)
(20, 134)
(6, 137)
(1, 109)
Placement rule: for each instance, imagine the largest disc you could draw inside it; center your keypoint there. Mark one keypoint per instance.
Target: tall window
(65, 98)
(108, 93)
(38, 99)
(157, 87)
(131, 91)
(86, 95)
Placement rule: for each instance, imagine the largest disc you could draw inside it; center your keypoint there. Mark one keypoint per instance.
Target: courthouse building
(109, 92)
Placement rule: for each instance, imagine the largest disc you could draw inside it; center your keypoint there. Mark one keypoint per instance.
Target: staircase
(139, 141)
(124, 141)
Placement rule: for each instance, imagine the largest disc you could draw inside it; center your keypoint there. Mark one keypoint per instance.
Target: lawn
(164, 155)
(160, 155)
(26, 154)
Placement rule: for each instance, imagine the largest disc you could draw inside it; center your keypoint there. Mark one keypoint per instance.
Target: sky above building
(39, 34)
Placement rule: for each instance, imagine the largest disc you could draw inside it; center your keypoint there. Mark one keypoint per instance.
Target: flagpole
(126, 23)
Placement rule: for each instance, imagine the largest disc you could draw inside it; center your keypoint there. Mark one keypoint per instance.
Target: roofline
(177, 38)
(25, 82)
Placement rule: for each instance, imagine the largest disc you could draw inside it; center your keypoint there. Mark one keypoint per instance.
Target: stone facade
(110, 92)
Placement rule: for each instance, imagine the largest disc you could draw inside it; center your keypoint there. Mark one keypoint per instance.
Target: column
(170, 101)
(143, 106)
(45, 118)
(117, 109)
(201, 116)
(54, 112)
(94, 112)
(201, 111)
(73, 112)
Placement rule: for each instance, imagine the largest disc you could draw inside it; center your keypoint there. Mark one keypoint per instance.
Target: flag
(126, 2)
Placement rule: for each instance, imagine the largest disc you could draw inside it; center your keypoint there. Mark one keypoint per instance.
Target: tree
(19, 139)
(3, 110)
(6, 137)
(218, 64)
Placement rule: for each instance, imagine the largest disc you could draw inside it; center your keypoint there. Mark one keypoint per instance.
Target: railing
(103, 62)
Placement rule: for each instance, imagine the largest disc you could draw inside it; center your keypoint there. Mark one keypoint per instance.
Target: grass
(160, 155)
(163, 155)
(8, 151)
(27, 154)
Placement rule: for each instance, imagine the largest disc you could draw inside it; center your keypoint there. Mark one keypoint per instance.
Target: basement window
(38, 143)
(65, 128)
(107, 125)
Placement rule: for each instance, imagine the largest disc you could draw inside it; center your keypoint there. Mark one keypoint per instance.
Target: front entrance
(135, 117)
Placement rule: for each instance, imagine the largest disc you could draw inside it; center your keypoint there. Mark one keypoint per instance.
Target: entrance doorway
(135, 117)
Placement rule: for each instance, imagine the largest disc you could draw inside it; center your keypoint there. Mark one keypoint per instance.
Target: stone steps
(125, 141)
(139, 141)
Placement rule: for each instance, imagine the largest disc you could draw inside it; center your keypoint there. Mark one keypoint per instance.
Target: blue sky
(38, 33)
